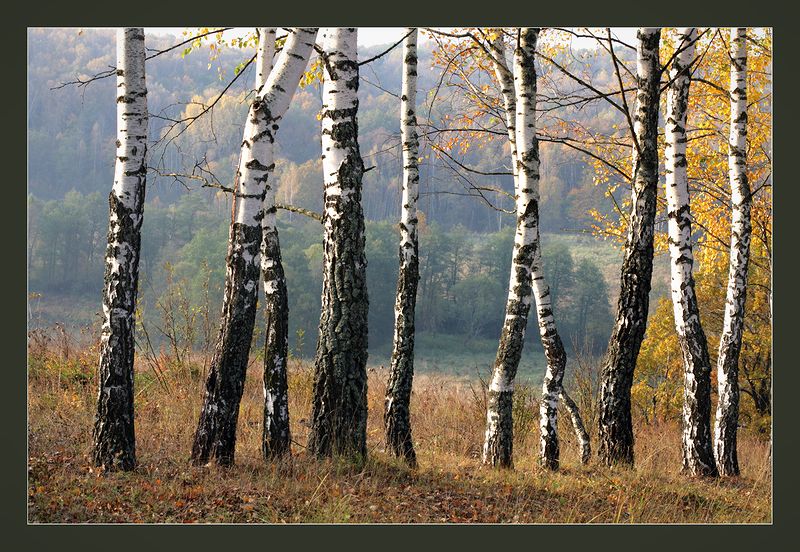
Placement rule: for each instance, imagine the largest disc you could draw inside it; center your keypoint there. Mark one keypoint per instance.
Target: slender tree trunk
(114, 438)
(276, 437)
(528, 175)
(698, 456)
(727, 418)
(216, 430)
(397, 418)
(498, 443)
(527, 280)
(339, 409)
(616, 430)
(582, 435)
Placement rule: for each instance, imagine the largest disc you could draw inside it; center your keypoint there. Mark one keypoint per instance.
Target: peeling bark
(727, 416)
(339, 409)
(216, 430)
(615, 428)
(397, 418)
(698, 456)
(114, 436)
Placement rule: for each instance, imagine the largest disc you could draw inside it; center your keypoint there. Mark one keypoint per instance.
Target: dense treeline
(463, 274)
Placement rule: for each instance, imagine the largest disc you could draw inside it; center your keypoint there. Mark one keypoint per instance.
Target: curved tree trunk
(398, 390)
(698, 456)
(339, 409)
(114, 437)
(727, 418)
(528, 175)
(616, 430)
(582, 435)
(216, 430)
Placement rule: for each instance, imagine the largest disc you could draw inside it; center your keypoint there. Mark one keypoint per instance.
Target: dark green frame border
(47, 13)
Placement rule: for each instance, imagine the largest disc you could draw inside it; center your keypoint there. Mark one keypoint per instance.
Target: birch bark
(527, 280)
(499, 437)
(276, 437)
(528, 176)
(727, 416)
(339, 409)
(397, 418)
(698, 456)
(113, 436)
(216, 430)
(584, 445)
(616, 430)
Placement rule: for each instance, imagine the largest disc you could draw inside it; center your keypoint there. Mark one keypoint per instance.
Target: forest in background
(465, 238)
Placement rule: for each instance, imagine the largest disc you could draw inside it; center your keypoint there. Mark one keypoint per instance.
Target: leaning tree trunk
(616, 429)
(114, 438)
(528, 178)
(727, 418)
(216, 430)
(276, 438)
(498, 443)
(339, 409)
(397, 418)
(698, 456)
(584, 445)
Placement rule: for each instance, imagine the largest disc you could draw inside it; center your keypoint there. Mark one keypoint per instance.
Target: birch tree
(216, 430)
(276, 437)
(698, 456)
(527, 279)
(616, 430)
(398, 390)
(581, 434)
(727, 416)
(339, 409)
(114, 436)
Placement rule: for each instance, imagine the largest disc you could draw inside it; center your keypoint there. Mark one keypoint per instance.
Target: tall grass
(448, 417)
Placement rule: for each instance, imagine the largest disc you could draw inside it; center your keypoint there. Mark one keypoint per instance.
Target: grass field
(449, 486)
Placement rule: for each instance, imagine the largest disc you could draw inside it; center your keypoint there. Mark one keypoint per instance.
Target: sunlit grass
(449, 486)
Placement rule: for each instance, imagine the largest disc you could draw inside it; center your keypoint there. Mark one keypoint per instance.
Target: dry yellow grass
(449, 486)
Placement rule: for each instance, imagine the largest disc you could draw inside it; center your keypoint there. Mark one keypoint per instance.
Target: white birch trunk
(265, 52)
(727, 416)
(216, 431)
(114, 438)
(398, 390)
(698, 456)
(526, 281)
(584, 445)
(527, 147)
(276, 437)
(339, 409)
(506, 79)
(499, 437)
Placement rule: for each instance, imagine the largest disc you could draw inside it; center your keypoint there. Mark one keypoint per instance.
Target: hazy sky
(367, 36)
(371, 36)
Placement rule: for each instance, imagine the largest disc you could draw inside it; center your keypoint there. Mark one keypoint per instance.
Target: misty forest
(414, 275)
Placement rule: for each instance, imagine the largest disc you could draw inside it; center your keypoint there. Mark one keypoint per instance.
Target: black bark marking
(615, 427)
